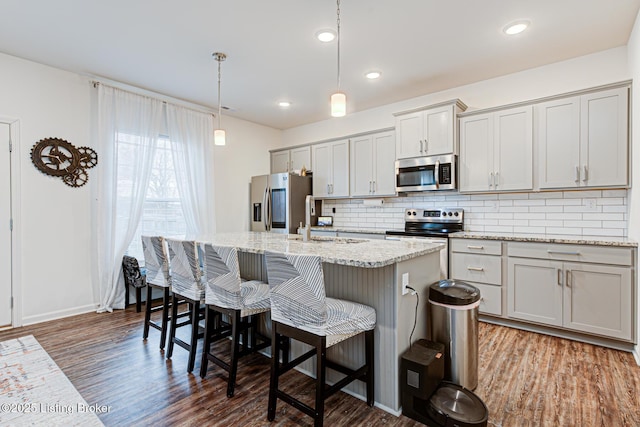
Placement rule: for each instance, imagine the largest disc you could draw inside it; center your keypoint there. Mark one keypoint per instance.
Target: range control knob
(455, 214)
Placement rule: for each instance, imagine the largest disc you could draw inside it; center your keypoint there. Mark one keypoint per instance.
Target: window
(162, 210)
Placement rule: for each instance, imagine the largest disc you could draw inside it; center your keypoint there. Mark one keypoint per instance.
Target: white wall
(634, 197)
(579, 73)
(54, 227)
(245, 155)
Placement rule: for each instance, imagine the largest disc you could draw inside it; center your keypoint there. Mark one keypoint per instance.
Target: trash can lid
(453, 292)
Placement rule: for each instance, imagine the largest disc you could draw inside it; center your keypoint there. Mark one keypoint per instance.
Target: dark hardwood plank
(524, 378)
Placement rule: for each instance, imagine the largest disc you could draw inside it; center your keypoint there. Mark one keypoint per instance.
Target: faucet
(309, 211)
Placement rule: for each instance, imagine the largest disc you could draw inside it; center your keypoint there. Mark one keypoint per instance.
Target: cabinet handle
(568, 278)
(331, 188)
(491, 180)
(559, 277)
(370, 190)
(374, 187)
(550, 252)
(475, 268)
(426, 146)
(475, 247)
(497, 180)
(586, 174)
(328, 191)
(421, 149)
(577, 174)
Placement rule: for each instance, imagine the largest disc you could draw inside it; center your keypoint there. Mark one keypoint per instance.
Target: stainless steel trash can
(454, 322)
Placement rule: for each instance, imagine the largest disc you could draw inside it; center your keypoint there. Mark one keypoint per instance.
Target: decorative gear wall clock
(59, 158)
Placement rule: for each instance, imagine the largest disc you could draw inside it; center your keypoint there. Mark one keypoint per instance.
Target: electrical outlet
(591, 204)
(405, 283)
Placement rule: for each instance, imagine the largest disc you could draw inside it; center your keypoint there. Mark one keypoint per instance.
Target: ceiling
(421, 46)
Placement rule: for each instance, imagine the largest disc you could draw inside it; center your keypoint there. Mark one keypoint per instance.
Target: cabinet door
(604, 138)
(300, 158)
(362, 166)
(598, 299)
(410, 129)
(513, 149)
(534, 290)
(321, 161)
(559, 143)
(280, 161)
(476, 153)
(438, 133)
(384, 171)
(339, 168)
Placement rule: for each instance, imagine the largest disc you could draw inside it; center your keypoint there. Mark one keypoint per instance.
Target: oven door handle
(436, 173)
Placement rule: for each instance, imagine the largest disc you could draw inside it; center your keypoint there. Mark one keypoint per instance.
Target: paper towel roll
(373, 202)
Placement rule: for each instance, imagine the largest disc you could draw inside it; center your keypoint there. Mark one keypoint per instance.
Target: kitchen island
(366, 271)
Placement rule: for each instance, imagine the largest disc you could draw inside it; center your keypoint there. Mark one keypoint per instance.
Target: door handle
(568, 278)
(559, 277)
(475, 268)
(586, 174)
(436, 173)
(577, 174)
(264, 208)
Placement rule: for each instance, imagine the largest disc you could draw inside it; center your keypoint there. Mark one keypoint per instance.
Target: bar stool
(300, 310)
(133, 277)
(242, 301)
(187, 284)
(156, 262)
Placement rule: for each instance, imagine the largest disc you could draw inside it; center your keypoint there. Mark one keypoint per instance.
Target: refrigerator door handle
(265, 209)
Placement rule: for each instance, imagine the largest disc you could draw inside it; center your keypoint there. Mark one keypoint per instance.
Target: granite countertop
(350, 230)
(548, 238)
(334, 250)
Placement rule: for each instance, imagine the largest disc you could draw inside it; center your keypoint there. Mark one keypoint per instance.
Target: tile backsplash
(579, 213)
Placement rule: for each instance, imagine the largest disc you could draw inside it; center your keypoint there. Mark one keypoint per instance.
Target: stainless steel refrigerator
(277, 202)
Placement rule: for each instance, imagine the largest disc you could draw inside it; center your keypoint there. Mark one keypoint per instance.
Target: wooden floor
(525, 379)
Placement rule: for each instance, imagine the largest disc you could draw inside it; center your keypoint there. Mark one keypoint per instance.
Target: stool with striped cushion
(187, 283)
(242, 301)
(156, 262)
(301, 311)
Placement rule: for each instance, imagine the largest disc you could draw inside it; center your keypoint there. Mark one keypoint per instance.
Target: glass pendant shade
(338, 104)
(219, 137)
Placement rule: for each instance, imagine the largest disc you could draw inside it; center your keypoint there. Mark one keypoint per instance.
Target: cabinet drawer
(476, 246)
(577, 253)
(476, 268)
(491, 298)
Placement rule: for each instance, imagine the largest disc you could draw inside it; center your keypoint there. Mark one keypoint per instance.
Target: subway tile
(564, 202)
(515, 210)
(470, 203)
(546, 223)
(546, 195)
(531, 215)
(568, 231)
(564, 216)
(529, 202)
(614, 193)
(513, 222)
(584, 224)
(603, 216)
(513, 196)
(581, 209)
(499, 215)
(582, 194)
(616, 232)
(498, 229)
(529, 230)
(610, 201)
(614, 224)
(545, 209)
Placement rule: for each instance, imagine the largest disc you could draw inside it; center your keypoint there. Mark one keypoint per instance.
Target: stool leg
(208, 330)
(369, 360)
(321, 355)
(147, 314)
(174, 321)
(235, 350)
(126, 296)
(165, 316)
(193, 346)
(276, 341)
(138, 299)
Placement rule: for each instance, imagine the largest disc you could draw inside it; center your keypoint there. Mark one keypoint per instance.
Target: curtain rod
(153, 95)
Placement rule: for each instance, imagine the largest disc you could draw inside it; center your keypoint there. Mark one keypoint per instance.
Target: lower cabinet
(554, 290)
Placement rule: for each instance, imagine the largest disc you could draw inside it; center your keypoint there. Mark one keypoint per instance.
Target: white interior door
(5, 232)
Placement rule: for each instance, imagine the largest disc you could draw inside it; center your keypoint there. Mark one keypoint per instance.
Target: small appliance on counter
(325, 221)
(430, 400)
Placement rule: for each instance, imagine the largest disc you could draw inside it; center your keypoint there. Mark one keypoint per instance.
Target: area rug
(35, 392)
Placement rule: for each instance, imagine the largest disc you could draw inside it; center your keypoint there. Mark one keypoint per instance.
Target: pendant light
(338, 99)
(219, 135)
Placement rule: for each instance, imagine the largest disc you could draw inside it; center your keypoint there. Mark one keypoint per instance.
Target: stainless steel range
(432, 225)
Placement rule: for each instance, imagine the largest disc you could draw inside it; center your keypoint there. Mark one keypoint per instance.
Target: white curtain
(191, 136)
(128, 129)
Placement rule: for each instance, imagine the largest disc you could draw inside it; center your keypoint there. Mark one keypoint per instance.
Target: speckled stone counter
(549, 238)
(333, 250)
(352, 230)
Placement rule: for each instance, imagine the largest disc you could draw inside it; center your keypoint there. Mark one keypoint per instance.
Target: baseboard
(54, 315)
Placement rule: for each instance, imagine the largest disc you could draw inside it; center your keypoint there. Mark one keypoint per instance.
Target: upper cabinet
(331, 169)
(428, 132)
(496, 151)
(372, 170)
(291, 160)
(583, 141)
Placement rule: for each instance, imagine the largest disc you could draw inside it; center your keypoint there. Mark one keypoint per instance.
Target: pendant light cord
(219, 104)
(338, 33)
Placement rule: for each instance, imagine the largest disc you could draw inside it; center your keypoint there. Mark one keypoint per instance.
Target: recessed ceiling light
(515, 27)
(284, 104)
(326, 36)
(373, 75)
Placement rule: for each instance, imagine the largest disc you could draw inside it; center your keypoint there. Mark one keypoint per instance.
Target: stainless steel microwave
(431, 173)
